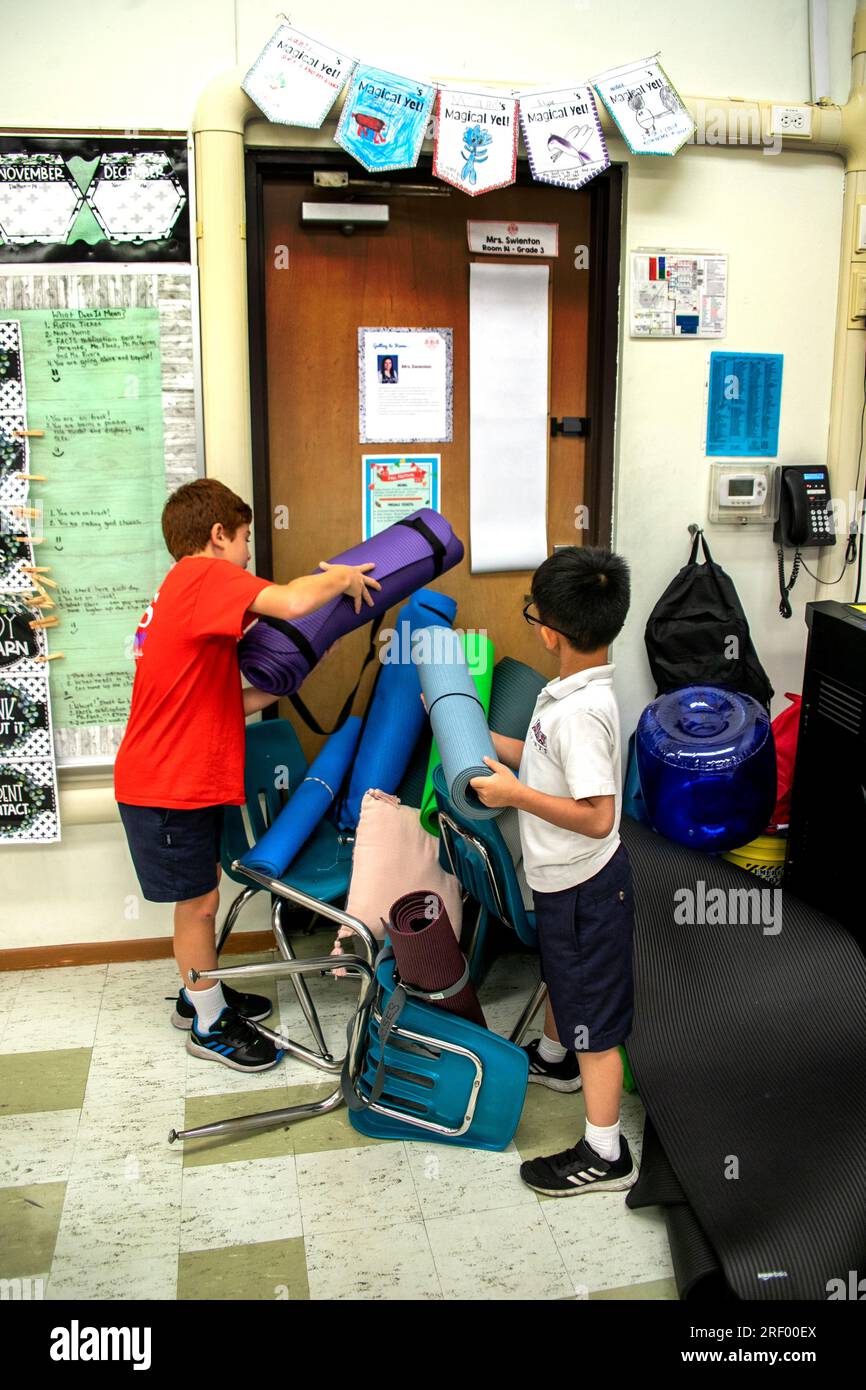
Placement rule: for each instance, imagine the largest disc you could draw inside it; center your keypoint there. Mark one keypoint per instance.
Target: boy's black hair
(583, 591)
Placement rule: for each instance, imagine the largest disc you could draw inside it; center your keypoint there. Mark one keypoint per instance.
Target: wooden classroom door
(320, 286)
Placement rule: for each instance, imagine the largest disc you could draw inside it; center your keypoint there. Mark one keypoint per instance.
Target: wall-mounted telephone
(804, 517)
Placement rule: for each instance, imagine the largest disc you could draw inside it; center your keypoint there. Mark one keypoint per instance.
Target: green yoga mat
(479, 659)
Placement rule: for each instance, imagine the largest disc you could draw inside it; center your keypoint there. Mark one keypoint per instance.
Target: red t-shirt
(184, 741)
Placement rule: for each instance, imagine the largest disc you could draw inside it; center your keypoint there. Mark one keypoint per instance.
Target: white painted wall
(135, 64)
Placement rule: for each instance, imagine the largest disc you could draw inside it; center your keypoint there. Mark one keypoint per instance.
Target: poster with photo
(405, 385)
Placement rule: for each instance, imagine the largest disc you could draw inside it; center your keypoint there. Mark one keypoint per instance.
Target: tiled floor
(95, 1203)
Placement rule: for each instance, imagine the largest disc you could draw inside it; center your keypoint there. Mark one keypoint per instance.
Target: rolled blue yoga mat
(395, 718)
(458, 719)
(307, 805)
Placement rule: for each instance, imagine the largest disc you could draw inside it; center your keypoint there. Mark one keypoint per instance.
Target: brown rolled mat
(427, 954)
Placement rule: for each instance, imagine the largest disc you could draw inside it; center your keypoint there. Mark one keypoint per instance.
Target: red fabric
(184, 741)
(786, 728)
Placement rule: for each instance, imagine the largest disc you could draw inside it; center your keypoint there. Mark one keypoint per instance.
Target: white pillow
(394, 855)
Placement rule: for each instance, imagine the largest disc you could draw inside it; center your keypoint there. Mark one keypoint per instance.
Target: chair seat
(323, 867)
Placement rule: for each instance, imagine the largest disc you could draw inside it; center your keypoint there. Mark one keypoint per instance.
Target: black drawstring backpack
(698, 634)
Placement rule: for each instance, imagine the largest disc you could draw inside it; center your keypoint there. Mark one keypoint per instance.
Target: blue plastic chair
(443, 1078)
(321, 871)
(475, 852)
(275, 762)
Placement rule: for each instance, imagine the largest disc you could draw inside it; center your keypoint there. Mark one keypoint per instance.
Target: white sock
(550, 1051)
(208, 1004)
(604, 1139)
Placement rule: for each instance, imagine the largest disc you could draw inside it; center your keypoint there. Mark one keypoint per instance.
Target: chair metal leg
(300, 985)
(534, 1003)
(475, 954)
(280, 1119)
(238, 904)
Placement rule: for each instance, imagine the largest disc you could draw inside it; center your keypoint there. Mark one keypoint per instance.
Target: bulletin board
(111, 373)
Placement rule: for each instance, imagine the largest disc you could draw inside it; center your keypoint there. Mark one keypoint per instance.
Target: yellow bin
(764, 856)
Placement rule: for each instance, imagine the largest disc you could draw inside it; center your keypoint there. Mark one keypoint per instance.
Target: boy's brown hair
(191, 512)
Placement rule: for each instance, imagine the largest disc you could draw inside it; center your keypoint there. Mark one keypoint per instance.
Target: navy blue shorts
(585, 942)
(175, 853)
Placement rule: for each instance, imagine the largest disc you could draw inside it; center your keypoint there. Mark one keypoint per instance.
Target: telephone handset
(803, 518)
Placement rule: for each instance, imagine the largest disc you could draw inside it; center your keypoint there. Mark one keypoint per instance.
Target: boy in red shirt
(182, 756)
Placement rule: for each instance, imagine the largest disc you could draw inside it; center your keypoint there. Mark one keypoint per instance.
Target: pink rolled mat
(426, 952)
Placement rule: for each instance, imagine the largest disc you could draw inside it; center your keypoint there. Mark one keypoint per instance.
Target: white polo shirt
(571, 749)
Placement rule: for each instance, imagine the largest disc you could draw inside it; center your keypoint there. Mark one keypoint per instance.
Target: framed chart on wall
(111, 370)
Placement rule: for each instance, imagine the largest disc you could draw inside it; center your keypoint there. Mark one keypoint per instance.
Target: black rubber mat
(749, 1051)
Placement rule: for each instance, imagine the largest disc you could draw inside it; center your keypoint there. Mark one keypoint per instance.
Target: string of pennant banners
(385, 118)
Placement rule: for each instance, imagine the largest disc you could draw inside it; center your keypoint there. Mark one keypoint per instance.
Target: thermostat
(739, 493)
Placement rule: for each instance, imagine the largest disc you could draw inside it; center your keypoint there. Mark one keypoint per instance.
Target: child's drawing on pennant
(563, 136)
(646, 107)
(476, 140)
(295, 80)
(384, 119)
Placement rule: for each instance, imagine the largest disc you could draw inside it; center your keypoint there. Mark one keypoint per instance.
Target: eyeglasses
(539, 622)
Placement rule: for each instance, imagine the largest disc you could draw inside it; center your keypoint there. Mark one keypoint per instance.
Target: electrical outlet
(791, 121)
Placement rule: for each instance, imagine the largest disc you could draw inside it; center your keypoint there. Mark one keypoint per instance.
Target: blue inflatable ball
(707, 766)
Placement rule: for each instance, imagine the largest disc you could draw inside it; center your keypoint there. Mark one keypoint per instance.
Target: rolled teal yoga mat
(307, 805)
(457, 703)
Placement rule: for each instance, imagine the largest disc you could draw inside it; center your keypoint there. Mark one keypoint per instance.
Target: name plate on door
(531, 239)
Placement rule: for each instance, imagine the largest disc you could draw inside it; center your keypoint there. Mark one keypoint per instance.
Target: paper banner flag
(295, 80)
(646, 106)
(476, 140)
(563, 136)
(38, 198)
(384, 119)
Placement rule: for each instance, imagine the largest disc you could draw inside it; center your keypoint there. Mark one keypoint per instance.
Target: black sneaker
(580, 1170)
(559, 1076)
(255, 1007)
(235, 1042)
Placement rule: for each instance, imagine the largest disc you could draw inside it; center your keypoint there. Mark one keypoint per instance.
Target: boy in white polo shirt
(568, 795)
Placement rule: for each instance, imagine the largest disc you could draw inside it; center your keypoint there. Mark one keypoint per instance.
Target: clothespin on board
(53, 656)
(29, 434)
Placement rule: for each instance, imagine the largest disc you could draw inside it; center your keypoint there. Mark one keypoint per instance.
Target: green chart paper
(93, 381)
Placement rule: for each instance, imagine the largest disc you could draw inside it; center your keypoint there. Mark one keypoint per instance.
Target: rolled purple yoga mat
(426, 952)
(276, 656)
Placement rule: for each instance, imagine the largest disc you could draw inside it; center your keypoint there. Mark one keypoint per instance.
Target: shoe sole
(616, 1185)
(552, 1084)
(185, 1024)
(207, 1053)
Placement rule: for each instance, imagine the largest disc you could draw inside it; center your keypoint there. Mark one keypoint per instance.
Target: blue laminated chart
(744, 404)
